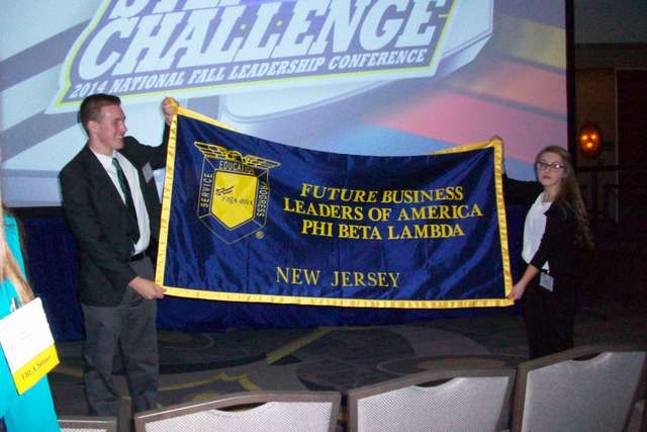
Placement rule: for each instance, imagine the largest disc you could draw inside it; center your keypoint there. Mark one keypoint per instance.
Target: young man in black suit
(112, 206)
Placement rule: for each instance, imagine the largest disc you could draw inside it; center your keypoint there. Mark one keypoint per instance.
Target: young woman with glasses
(556, 231)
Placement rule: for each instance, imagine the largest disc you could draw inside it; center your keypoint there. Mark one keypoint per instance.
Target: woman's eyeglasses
(555, 166)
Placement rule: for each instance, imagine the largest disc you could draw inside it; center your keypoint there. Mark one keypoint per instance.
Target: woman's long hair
(569, 195)
(9, 268)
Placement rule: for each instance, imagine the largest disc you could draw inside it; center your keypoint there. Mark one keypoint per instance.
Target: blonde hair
(569, 195)
(9, 268)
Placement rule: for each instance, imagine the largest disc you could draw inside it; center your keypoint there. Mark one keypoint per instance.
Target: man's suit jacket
(99, 218)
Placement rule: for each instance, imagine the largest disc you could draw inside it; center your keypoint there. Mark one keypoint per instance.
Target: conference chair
(267, 411)
(435, 400)
(87, 424)
(638, 419)
(588, 388)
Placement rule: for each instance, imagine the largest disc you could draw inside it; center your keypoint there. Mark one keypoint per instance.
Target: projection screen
(371, 77)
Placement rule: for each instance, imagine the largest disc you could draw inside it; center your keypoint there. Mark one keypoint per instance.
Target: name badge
(28, 345)
(546, 281)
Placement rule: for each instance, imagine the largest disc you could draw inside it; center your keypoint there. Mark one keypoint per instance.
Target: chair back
(638, 418)
(589, 388)
(87, 424)
(248, 412)
(434, 400)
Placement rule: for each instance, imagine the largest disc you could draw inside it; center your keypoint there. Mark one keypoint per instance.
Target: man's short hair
(91, 107)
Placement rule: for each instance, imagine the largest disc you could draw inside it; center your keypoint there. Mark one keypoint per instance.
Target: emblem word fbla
(234, 192)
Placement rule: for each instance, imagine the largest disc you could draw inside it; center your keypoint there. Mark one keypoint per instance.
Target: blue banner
(249, 220)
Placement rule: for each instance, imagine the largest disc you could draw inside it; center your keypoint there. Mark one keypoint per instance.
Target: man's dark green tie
(125, 188)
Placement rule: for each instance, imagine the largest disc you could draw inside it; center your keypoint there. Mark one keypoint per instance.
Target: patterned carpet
(196, 367)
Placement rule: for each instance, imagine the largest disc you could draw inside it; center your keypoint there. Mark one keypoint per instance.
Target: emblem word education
(234, 192)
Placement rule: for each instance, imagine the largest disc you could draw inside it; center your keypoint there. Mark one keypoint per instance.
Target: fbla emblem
(234, 192)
